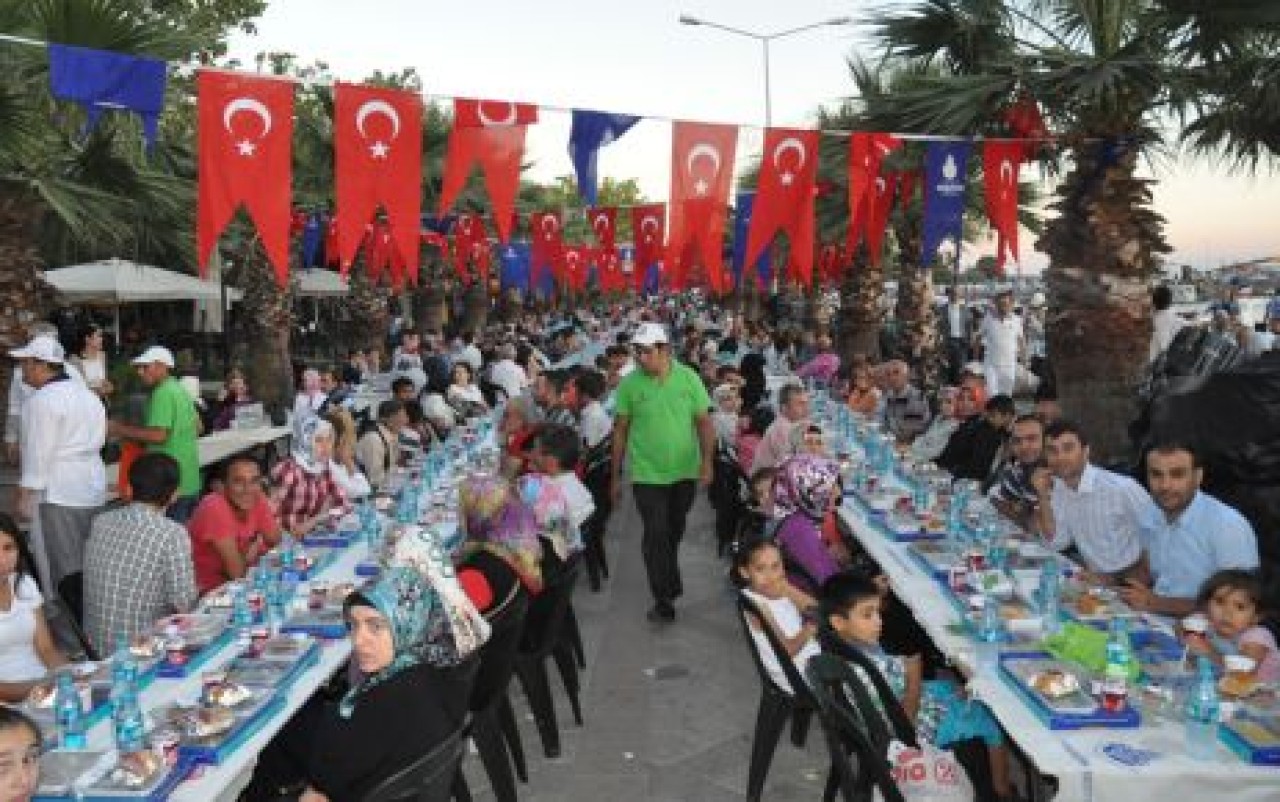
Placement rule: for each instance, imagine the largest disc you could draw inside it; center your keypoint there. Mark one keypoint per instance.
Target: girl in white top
(91, 360)
(343, 465)
(27, 650)
(758, 565)
(463, 389)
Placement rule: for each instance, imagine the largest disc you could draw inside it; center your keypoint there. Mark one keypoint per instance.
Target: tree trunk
(266, 319)
(1102, 248)
(24, 298)
(476, 307)
(368, 306)
(431, 299)
(860, 315)
(918, 327)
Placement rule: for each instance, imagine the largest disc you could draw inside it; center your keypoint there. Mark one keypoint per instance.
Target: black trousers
(957, 356)
(663, 511)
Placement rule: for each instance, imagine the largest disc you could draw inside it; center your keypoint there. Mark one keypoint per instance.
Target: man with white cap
(63, 482)
(20, 391)
(172, 426)
(662, 426)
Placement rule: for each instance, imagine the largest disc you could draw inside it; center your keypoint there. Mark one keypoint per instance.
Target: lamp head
(685, 19)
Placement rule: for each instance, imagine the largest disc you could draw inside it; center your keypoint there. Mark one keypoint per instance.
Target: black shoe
(661, 613)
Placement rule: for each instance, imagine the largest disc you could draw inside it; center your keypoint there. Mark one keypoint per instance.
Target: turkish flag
(604, 224)
(377, 141)
(608, 269)
(573, 266)
(382, 254)
(331, 258)
(784, 198)
(701, 177)
(1001, 159)
(470, 246)
(546, 236)
(867, 152)
(245, 142)
(648, 228)
(492, 133)
(830, 263)
(878, 207)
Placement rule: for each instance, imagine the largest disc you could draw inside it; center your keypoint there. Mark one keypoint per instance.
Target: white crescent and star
(486, 120)
(802, 156)
(378, 149)
(703, 150)
(599, 219)
(550, 230)
(1006, 173)
(246, 146)
(644, 227)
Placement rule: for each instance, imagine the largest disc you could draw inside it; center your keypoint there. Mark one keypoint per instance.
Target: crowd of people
(673, 398)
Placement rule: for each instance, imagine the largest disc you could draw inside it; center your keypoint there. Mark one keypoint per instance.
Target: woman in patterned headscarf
(501, 554)
(804, 491)
(305, 489)
(404, 702)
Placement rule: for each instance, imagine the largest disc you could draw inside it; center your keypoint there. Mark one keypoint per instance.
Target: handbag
(928, 774)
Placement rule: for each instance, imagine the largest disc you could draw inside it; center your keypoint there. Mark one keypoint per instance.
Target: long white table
(1074, 757)
(217, 446)
(226, 780)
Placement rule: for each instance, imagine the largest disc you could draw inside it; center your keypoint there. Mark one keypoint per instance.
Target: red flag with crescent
(701, 177)
(867, 152)
(573, 266)
(878, 207)
(546, 244)
(1001, 160)
(377, 141)
(470, 245)
(245, 142)
(490, 132)
(648, 230)
(604, 224)
(608, 269)
(785, 197)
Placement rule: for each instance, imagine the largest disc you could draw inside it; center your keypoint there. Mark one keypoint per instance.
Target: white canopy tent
(319, 283)
(119, 281)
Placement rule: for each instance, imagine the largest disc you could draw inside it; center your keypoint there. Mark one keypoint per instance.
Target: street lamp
(764, 39)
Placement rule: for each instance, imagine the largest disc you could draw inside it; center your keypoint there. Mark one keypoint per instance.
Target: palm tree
(1110, 76)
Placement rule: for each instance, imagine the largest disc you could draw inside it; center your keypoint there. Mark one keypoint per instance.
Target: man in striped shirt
(1086, 507)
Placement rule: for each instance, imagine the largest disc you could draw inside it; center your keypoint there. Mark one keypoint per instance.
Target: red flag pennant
(1024, 118)
(245, 142)
(879, 205)
(377, 136)
(701, 177)
(331, 258)
(492, 134)
(785, 197)
(470, 246)
(867, 152)
(608, 269)
(1001, 160)
(573, 266)
(546, 237)
(604, 224)
(648, 230)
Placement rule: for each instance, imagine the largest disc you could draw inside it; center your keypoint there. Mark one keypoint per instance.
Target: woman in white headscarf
(305, 488)
(311, 395)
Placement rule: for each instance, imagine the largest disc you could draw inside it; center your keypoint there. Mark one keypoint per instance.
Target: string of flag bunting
(244, 147)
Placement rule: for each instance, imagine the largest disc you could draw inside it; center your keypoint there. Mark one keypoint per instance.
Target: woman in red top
(305, 490)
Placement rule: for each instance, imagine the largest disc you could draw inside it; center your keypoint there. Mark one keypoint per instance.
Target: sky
(636, 57)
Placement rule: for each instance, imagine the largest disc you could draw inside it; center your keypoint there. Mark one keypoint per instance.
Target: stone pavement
(669, 711)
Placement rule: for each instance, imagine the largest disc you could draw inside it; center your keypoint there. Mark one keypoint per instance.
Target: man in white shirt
(469, 353)
(63, 482)
(1165, 323)
(20, 391)
(1002, 341)
(1095, 510)
(505, 373)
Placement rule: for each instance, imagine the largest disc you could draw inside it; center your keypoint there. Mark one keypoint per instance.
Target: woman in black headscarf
(754, 388)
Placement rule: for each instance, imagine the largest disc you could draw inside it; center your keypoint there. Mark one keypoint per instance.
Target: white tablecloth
(1084, 772)
(217, 446)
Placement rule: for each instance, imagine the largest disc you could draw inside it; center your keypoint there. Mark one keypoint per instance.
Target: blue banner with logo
(946, 170)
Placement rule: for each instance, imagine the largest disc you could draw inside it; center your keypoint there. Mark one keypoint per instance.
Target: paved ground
(669, 711)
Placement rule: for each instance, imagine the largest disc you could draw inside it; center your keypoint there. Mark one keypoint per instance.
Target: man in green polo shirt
(662, 425)
(172, 426)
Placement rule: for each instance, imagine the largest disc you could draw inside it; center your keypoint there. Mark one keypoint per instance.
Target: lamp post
(764, 39)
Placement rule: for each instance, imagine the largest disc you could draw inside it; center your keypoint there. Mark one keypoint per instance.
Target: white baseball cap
(42, 347)
(649, 334)
(156, 353)
(1037, 300)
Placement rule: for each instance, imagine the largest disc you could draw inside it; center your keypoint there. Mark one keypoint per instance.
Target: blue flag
(945, 173)
(653, 279)
(313, 240)
(515, 265)
(591, 131)
(97, 80)
(741, 225)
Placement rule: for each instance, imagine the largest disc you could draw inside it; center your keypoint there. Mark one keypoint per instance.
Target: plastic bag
(928, 774)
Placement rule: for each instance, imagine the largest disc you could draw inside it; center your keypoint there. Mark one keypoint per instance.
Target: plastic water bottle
(241, 612)
(69, 713)
(1050, 596)
(1203, 711)
(128, 725)
(123, 667)
(1115, 677)
(287, 551)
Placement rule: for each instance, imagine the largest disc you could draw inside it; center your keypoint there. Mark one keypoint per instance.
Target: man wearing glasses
(662, 426)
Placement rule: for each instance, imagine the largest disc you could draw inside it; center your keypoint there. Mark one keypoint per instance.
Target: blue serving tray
(331, 539)
(368, 569)
(326, 630)
(244, 729)
(1129, 718)
(1245, 747)
(166, 670)
(177, 774)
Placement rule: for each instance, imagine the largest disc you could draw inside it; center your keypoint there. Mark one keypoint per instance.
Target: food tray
(87, 776)
(197, 628)
(327, 538)
(214, 749)
(320, 560)
(1155, 645)
(934, 557)
(96, 679)
(909, 529)
(272, 669)
(1254, 738)
(368, 569)
(1113, 607)
(1075, 711)
(197, 657)
(327, 623)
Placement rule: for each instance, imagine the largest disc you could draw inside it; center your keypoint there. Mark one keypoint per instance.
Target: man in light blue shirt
(1186, 535)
